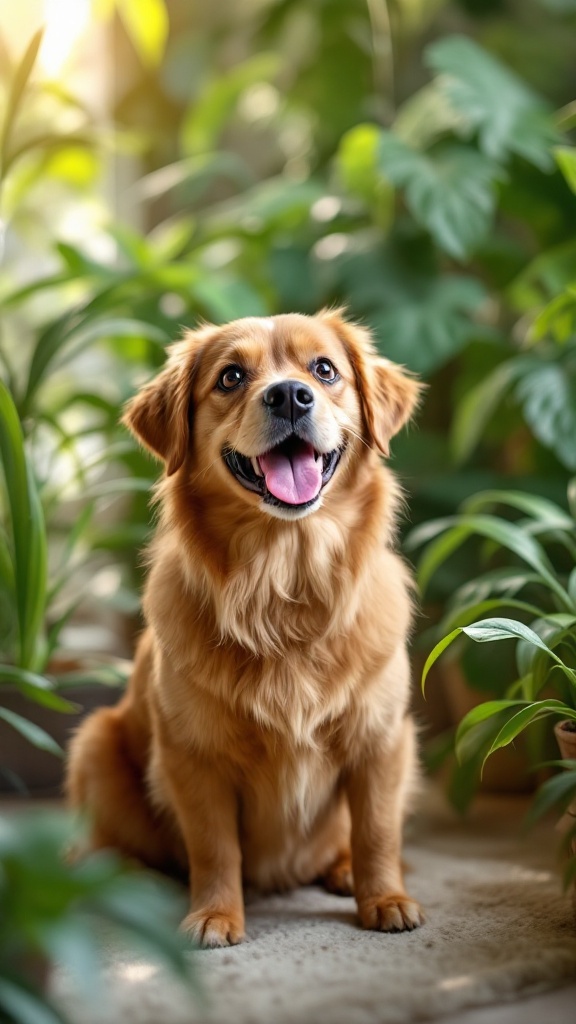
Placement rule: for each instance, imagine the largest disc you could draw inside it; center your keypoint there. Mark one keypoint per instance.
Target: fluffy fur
(264, 737)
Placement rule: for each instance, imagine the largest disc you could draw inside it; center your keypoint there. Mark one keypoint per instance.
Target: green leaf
(503, 629)
(30, 731)
(467, 744)
(548, 398)
(436, 652)
(146, 22)
(475, 411)
(494, 102)
(547, 512)
(449, 191)
(557, 319)
(465, 614)
(506, 534)
(566, 159)
(28, 530)
(522, 719)
(572, 585)
(36, 688)
(73, 332)
(553, 629)
(556, 792)
(426, 322)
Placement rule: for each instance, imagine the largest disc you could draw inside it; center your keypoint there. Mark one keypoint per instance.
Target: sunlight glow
(138, 972)
(65, 22)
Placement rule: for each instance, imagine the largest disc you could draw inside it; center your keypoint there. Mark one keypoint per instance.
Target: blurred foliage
(412, 160)
(529, 546)
(55, 914)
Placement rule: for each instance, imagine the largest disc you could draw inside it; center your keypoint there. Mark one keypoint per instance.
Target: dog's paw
(210, 929)
(338, 878)
(391, 913)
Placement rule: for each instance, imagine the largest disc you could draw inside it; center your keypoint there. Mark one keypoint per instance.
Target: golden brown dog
(264, 736)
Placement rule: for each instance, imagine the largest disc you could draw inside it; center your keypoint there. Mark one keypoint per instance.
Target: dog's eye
(324, 370)
(231, 377)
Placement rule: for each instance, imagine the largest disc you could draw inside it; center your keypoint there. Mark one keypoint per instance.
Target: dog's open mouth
(290, 475)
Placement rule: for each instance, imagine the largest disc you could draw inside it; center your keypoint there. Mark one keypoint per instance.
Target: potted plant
(535, 577)
(55, 913)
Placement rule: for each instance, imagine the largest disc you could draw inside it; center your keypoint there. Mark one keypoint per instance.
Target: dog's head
(272, 408)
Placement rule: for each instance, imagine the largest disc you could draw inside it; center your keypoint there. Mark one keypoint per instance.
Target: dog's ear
(389, 395)
(160, 415)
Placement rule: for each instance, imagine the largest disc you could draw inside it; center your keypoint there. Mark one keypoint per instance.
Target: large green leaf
(427, 323)
(548, 397)
(492, 101)
(450, 191)
(28, 531)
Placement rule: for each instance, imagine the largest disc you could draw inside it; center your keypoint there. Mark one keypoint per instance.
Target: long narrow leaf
(558, 791)
(534, 505)
(466, 614)
(482, 713)
(33, 733)
(28, 530)
(36, 688)
(436, 652)
(507, 535)
(523, 718)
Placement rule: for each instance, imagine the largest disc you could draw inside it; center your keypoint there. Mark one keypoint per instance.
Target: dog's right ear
(160, 415)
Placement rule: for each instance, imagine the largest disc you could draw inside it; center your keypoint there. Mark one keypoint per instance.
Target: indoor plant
(537, 579)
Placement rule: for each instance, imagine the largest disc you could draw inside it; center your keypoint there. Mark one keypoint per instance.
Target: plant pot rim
(566, 725)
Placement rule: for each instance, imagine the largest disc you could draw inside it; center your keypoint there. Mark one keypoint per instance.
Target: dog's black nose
(289, 399)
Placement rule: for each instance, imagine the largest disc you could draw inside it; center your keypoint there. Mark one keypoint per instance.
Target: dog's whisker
(354, 433)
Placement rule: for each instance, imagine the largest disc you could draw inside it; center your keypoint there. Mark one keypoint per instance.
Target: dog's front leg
(207, 811)
(377, 791)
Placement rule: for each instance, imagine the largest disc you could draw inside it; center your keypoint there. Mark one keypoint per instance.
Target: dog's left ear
(160, 415)
(389, 395)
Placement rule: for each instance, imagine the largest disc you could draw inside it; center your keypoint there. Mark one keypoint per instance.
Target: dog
(265, 737)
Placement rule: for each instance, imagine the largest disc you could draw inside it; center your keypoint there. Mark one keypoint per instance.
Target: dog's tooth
(256, 467)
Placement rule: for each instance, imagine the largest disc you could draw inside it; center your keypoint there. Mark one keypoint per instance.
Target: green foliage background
(410, 159)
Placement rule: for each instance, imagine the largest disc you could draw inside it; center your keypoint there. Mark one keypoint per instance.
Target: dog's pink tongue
(294, 478)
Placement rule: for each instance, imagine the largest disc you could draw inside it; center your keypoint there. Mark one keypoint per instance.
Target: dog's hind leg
(107, 785)
(338, 878)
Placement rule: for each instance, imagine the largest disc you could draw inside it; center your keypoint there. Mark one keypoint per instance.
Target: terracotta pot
(566, 736)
